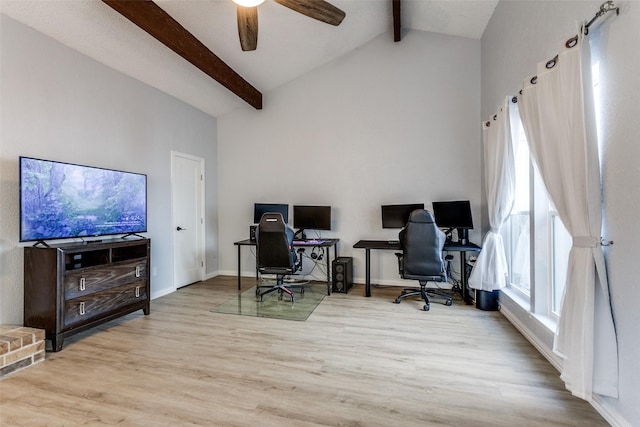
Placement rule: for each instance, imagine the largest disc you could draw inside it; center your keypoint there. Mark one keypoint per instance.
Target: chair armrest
(400, 256)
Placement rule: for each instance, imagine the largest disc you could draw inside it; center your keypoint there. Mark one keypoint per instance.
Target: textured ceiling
(289, 44)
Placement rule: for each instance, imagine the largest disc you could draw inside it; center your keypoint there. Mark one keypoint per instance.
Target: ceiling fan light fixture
(248, 3)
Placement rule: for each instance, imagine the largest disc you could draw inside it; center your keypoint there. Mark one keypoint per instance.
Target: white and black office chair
(421, 258)
(276, 255)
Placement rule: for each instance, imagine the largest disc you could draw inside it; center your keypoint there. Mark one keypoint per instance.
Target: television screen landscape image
(62, 200)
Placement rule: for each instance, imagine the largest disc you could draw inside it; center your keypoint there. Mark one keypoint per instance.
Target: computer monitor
(397, 216)
(312, 217)
(456, 214)
(260, 209)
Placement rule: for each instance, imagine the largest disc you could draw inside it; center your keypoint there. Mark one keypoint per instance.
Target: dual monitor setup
(448, 215)
(304, 217)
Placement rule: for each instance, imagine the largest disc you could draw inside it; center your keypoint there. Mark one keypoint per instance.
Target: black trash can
(488, 300)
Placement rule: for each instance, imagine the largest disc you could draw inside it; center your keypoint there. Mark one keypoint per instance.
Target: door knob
(178, 228)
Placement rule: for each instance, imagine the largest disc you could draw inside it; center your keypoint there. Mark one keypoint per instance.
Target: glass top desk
(326, 244)
(394, 245)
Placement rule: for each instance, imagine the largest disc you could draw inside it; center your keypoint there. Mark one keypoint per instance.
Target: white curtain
(558, 116)
(491, 270)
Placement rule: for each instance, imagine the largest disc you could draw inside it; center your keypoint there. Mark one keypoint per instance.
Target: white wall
(388, 123)
(521, 34)
(60, 105)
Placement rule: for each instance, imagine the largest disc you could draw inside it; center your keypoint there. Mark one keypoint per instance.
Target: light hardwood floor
(355, 362)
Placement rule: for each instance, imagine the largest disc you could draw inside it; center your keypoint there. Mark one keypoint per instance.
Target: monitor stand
(463, 236)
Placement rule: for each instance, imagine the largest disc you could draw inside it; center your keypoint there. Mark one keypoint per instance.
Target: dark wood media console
(71, 287)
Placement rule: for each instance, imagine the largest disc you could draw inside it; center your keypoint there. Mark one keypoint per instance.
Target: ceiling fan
(248, 16)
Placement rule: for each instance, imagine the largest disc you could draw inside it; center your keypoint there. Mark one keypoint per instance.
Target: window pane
(518, 232)
(561, 245)
(519, 255)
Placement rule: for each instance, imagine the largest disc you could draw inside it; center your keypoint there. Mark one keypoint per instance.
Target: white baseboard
(612, 416)
(533, 339)
(162, 293)
(235, 273)
(211, 275)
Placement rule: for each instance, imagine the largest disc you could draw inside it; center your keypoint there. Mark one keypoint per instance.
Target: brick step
(20, 347)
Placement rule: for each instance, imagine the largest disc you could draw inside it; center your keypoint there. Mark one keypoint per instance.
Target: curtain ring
(552, 63)
(488, 124)
(572, 42)
(514, 99)
(534, 80)
(495, 117)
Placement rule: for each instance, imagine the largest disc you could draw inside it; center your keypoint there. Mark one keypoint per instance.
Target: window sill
(551, 323)
(539, 330)
(518, 297)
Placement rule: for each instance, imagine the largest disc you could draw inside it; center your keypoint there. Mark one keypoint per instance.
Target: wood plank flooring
(355, 362)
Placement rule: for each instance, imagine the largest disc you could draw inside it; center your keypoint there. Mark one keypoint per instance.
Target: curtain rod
(604, 8)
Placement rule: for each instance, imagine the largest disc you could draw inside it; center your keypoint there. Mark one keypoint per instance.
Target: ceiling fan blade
(248, 27)
(316, 9)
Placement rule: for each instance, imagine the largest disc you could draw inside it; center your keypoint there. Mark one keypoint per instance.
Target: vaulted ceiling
(289, 44)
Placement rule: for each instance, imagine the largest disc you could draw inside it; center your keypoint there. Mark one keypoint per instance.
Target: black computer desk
(326, 244)
(367, 245)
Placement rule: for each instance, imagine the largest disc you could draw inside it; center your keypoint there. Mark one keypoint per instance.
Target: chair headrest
(272, 217)
(421, 216)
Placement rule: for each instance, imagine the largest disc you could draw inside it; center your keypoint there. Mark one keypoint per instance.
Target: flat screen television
(260, 209)
(396, 216)
(62, 200)
(312, 217)
(455, 214)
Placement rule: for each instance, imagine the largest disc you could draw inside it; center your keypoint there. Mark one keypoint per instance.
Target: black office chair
(421, 257)
(276, 255)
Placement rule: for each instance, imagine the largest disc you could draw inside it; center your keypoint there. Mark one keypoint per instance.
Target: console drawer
(88, 307)
(73, 286)
(90, 280)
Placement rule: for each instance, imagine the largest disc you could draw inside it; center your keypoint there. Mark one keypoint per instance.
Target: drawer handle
(83, 284)
(137, 271)
(82, 309)
(137, 291)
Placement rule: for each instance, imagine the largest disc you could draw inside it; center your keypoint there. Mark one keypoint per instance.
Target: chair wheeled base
(424, 293)
(280, 287)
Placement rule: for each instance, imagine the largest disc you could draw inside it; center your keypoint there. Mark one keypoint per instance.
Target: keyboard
(309, 242)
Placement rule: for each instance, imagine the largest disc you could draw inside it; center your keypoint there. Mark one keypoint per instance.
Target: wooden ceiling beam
(396, 20)
(159, 24)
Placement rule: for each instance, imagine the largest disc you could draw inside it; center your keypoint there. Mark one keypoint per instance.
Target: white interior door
(188, 218)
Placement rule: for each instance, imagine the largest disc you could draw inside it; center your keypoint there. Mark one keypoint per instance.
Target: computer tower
(342, 271)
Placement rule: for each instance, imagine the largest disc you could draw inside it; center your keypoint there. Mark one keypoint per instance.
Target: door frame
(200, 233)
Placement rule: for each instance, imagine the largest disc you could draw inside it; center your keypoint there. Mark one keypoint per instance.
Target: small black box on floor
(488, 300)
(342, 270)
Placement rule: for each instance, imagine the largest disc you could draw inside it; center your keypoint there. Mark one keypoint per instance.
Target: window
(535, 227)
(560, 246)
(515, 233)
(560, 238)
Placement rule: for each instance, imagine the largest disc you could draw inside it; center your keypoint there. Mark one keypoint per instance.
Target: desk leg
(326, 254)
(367, 272)
(239, 256)
(463, 278)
